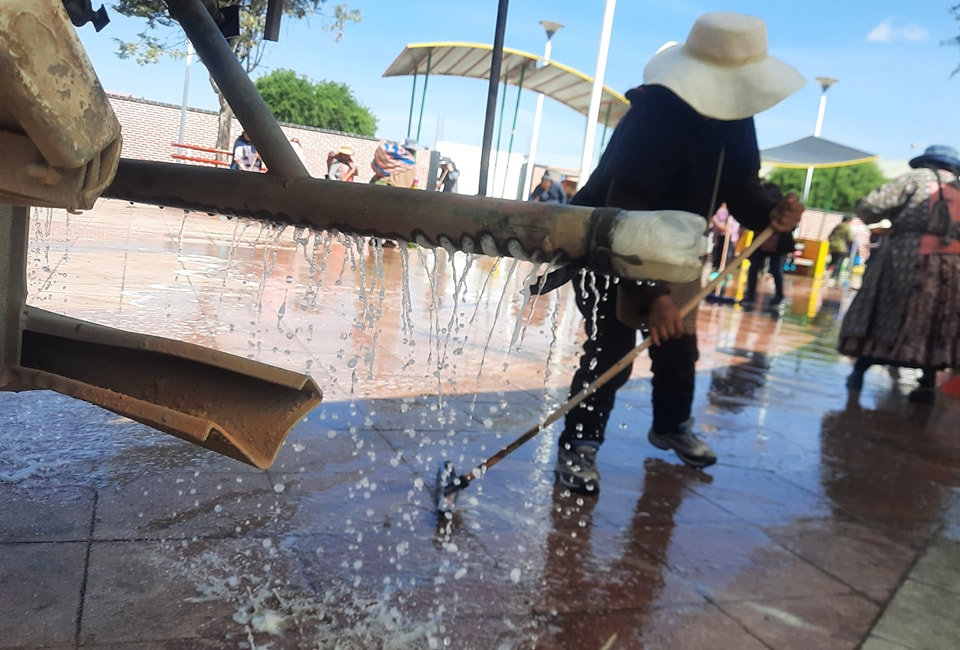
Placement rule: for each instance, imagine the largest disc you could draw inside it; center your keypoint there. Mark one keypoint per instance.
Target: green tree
(162, 36)
(841, 187)
(325, 105)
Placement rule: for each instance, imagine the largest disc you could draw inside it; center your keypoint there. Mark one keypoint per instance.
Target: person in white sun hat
(687, 143)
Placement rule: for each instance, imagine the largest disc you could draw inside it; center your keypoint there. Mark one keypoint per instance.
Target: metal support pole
(413, 100)
(531, 156)
(14, 229)
(423, 94)
(513, 128)
(606, 125)
(496, 61)
(186, 93)
(807, 182)
(586, 161)
(551, 28)
(833, 188)
(496, 155)
(235, 84)
(829, 203)
(825, 83)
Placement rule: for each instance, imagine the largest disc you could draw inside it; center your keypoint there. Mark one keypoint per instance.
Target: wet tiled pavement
(828, 523)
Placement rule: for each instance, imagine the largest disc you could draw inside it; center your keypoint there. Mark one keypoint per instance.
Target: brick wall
(150, 128)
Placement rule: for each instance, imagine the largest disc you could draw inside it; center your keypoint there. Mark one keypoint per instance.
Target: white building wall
(505, 172)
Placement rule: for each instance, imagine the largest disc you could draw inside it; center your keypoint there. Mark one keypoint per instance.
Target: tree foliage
(162, 36)
(838, 188)
(326, 105)
(955, 41)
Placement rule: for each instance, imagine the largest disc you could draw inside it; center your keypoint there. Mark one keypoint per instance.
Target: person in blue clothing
(688, 143)
(549, 190)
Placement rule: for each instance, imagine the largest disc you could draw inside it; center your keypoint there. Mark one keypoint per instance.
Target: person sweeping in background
(726, 234)
(907, 311)
(687, 141)
(772, 254)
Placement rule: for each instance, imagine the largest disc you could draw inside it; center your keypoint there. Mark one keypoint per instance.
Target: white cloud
(882, 32)
(886, 31)
(914, 33)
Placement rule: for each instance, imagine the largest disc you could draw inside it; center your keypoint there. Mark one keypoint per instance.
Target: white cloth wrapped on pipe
(667, 245)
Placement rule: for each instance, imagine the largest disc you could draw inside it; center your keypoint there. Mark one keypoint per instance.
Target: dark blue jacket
(555, 194)
(663, 155)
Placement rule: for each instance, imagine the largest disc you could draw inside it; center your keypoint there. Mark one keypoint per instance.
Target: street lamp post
(586, 160)
(186, 92)
(551, 28)
(825, 83)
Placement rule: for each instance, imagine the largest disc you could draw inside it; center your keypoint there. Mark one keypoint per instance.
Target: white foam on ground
(268, 612)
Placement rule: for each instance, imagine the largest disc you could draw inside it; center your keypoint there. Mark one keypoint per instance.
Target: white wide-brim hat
(723, 70)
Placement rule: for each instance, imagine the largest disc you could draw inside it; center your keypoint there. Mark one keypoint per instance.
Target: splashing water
(356, 316)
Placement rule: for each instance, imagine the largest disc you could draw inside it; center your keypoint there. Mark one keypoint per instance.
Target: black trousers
(836, 262)
(608, 340)
(753, 274)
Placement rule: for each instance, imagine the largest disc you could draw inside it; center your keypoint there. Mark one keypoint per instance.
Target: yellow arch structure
(522, 69)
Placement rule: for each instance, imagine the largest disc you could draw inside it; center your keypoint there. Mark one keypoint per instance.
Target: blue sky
(894, 96)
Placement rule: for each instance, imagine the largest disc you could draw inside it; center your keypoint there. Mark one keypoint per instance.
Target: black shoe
(691, 449)
(923, 395)
(576, 469)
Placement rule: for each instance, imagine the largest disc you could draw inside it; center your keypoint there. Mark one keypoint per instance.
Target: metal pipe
(513, 127)
(271, 26)
(497, 227)
(14, 229)
(495, 62)
(239, 91)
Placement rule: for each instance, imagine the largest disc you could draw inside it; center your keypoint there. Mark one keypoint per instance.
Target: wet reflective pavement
(829, 522)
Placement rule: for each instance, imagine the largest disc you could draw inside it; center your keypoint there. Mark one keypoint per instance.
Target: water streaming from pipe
(296, 289)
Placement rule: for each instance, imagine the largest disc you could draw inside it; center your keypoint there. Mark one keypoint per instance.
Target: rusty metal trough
(61, 143)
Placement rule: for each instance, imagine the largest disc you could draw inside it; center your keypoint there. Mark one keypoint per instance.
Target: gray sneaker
(576, 469)
(691, 449)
